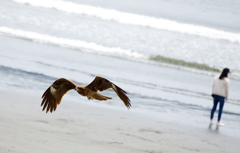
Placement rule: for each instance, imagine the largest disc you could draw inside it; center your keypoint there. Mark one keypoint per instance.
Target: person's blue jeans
(221, 100)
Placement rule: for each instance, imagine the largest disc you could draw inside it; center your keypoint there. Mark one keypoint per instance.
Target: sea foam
(72, 43)
(134, 19)
(91, 47)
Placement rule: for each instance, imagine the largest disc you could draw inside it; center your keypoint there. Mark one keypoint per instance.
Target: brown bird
(53, 95)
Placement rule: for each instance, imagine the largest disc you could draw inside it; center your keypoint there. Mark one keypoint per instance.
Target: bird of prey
(53, 95)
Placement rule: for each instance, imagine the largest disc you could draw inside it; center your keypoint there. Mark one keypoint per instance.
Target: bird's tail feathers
(98, 96)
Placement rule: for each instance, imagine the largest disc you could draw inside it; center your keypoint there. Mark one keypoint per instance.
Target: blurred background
(165, 54)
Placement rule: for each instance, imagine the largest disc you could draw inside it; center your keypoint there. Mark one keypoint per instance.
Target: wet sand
(78, 127)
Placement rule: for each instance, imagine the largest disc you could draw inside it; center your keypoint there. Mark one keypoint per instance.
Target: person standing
(220, 93)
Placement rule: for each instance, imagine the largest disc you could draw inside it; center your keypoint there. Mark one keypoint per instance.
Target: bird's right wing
(53, 95)
(101, 84)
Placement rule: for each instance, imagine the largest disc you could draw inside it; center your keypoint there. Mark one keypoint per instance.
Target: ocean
(165, 54)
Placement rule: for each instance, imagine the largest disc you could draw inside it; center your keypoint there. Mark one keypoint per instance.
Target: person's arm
(213, 86)
(227, 89)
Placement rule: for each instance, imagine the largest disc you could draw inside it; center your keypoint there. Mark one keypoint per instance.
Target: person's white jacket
(221, 87)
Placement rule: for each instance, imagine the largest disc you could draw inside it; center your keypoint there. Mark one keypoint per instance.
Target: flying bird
(53, 95)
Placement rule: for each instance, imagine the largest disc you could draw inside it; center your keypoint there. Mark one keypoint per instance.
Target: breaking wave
(102, 50)
(184, 63)
(71, 43)
(134, 19)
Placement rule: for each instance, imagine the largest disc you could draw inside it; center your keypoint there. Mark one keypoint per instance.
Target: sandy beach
(77, 127)
(164, 54)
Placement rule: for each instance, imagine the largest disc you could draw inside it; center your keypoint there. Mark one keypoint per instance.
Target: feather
(98, 96)
(101, 84)
(53, 95)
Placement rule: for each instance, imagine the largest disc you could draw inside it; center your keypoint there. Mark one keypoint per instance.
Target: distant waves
(102, 50)
(135, 19)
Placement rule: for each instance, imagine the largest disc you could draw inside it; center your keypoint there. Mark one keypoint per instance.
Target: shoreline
(76, 127)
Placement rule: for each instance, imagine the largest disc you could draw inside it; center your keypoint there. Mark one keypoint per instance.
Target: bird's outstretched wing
(101, 84)
(53, 95)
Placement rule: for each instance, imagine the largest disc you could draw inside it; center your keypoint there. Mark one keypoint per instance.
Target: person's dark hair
(224, 73)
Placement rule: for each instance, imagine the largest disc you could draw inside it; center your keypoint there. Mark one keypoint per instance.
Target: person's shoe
(211, 123)
(220, 124)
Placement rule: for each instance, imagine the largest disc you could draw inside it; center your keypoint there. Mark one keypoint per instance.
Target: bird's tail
(98, 96)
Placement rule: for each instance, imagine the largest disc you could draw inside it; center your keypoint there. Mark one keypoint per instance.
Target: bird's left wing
(101, 84)
(53, 95)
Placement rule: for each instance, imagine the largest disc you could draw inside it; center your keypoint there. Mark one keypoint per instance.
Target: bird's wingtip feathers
(48, 102)
(122, 94)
